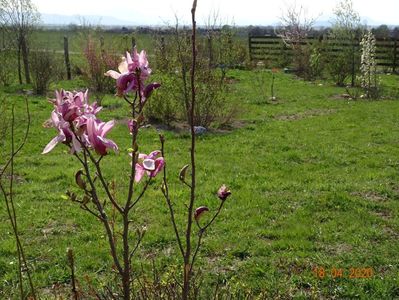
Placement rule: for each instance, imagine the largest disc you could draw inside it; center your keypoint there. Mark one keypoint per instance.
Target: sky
(238, 12)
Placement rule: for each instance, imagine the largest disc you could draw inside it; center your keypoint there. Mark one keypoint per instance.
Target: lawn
(315, 183)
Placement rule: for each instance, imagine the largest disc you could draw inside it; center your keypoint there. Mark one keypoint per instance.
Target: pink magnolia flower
(68, 104)
(74, 106)
(88, 112)
(96, 132)
(138, 62)
(126, 80)
(152, 164)
(133, 72)
(65, 135)
(223, 192)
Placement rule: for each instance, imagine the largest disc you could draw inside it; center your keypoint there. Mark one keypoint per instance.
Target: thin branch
(98, 169)
(214, 217)
(202, 231)
(86, 208)
(23, 140)
(141, 194)
(140, 238)
(10, 201)
(187, 268)
(165, 192)
(104, 218)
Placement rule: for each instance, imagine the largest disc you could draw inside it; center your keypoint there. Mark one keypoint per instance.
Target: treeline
(381, 31)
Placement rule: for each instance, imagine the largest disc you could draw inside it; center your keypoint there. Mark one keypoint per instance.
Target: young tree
(295, 28)
(368, 66)
(345, 31)
(20, 16)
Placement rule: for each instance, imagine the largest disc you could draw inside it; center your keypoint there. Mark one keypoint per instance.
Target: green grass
(315, 183)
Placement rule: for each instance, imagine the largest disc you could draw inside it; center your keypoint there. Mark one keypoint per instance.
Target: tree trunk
(19, 63)
(25, 58)
(66, 56)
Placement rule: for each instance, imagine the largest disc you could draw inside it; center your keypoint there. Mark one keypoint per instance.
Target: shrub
(98, 61)
(164, 104)
(343, 63)
(7, 62)
(173, 57)
(316, 63)
(44, 70)
(4, 120)
(296, 26)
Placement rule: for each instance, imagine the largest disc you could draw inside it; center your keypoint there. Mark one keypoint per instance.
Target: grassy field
(315, 183)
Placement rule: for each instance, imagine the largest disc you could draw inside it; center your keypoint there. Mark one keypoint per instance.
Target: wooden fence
(272, 48)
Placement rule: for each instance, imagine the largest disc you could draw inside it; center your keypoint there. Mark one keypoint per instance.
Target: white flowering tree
(368, 65)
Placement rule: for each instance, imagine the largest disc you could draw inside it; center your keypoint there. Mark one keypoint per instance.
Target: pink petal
(105, 127)
(142, 156)
(50, 146)
(159, 163)
(123, 66)
(108, 143)
(139, 172)
(128, 58)
(154, 154)
(55, 118)
(113, 74)
(90, 124)
(76, 145)
(143, 59)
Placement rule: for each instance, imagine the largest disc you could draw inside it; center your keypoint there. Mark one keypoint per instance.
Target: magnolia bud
(79, 180)
(163, 188)
(199, 211)
(183, 171)
(223, 192)
(161, 138)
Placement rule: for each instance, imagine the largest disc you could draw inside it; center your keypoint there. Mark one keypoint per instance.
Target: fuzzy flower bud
(199, 212)
(223, 192)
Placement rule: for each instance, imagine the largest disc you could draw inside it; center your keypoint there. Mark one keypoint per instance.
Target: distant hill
(54, 19)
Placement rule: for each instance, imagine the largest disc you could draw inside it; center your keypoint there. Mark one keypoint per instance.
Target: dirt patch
(371, 196)
(306, 114)
(55, 228)
(338, 249)
(383, 214)
(184, 128)
(391, 232)
(17, 178)
(292, 267)
(341, 97)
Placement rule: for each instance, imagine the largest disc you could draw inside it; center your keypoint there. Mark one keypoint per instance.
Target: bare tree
(294, 30)
(19, 17)
(295, 25)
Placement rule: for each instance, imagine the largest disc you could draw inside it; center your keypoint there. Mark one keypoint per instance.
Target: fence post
(210, 50)
(395, 45)
(102, 45)
(66, 55)
(249, 48)
(355, 46)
